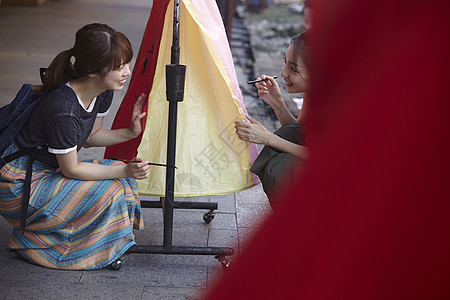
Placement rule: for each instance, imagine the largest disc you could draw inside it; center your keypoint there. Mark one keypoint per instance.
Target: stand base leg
(150, 249)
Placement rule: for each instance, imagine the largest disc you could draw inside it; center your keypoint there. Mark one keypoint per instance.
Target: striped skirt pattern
(71, 224)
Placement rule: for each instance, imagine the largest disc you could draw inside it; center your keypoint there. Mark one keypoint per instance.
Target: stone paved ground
(270, 33)
(29, 38)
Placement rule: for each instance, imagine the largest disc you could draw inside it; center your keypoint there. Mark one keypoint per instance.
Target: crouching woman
(81, 214)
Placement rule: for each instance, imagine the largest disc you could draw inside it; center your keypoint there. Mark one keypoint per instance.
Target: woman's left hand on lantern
(252, 131)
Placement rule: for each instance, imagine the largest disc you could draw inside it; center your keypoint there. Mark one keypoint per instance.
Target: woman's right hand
(269, 91)
(137, 170)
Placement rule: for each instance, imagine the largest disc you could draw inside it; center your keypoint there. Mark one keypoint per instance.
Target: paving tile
(75, 291)
(214, 273)
(251, 215)
(181, 216)
(245, 234)
(5, 235)
(254, 195)
(152, 216)
(181, 235)
(194, 218)
(150, 275)
(190, 236)
(223, 221)
(16, 272)
(171, 293)
(226, 203)
(150, 235)
(223, 238)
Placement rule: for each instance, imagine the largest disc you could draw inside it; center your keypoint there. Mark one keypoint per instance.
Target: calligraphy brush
(150, 163)
(259, 80)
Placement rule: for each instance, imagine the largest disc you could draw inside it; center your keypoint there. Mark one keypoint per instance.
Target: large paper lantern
(210, 159)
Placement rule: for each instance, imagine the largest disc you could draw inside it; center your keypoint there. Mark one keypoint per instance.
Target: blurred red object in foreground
(371, 215)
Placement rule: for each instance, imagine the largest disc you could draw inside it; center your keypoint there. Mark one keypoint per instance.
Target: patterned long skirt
(71, 224)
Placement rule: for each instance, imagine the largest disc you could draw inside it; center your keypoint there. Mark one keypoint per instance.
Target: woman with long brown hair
(81, 214)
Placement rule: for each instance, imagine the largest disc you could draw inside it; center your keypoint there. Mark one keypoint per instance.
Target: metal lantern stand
(175, 78)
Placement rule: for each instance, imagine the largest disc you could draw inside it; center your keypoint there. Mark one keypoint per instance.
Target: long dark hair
(301, 43)
(98, 49)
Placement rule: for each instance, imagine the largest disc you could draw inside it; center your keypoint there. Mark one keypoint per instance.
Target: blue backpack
(13, 117)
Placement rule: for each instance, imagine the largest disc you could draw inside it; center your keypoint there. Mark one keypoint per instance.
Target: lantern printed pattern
(210, 159)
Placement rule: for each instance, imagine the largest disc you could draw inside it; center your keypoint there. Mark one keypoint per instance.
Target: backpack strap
(27, 188)
(32, 153)
(15, 155)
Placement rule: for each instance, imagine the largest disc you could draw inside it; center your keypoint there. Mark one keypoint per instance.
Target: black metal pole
(175, 54)
(174, 90)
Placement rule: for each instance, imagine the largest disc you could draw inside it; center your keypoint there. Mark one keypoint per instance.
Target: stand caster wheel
(116, 265)
(224, 262)
(209, 216)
